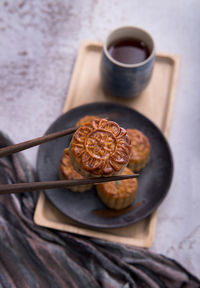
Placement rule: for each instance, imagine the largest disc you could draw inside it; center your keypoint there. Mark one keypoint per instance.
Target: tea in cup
(127, 62)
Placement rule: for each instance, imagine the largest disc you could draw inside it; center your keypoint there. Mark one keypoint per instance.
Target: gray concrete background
(38, 47)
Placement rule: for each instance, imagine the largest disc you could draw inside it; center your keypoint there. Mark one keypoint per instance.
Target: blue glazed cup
(126, 80)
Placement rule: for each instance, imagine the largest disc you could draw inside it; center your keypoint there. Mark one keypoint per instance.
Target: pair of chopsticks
(32, 186)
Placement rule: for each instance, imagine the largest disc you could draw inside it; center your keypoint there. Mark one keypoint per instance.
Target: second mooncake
(82, 121)
(67, 172)
(118, 194)
(140, 150)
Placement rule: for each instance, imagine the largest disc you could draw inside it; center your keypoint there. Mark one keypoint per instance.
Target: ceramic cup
(126, 80)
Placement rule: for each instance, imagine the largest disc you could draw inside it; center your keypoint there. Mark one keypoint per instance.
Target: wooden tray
(156, 102)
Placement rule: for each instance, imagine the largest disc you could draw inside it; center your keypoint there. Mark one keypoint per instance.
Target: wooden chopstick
(34, 142)
(33, 186)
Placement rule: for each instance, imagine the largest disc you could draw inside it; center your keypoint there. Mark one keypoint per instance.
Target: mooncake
(140, 150)
(67, 172)
(100, 148)
(118, 194)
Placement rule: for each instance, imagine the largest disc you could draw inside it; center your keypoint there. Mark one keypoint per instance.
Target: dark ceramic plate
(86, 208)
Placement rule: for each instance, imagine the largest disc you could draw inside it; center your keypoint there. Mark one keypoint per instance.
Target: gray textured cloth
(32, 256)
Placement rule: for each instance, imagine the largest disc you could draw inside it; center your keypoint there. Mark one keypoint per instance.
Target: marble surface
(39, 44)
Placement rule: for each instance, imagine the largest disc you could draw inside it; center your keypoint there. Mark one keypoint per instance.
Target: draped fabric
(33, 256)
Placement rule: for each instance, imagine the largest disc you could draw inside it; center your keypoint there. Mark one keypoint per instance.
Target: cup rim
(124, 64)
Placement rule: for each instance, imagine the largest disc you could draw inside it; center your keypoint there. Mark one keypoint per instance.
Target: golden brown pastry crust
(82, 121)
(100, 148)
(67, 172)
(118, 194)
(140, 150)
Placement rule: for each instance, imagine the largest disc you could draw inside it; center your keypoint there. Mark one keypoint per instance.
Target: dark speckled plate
(86, 208)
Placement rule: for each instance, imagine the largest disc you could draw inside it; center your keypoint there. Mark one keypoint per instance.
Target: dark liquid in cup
(129, 51)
